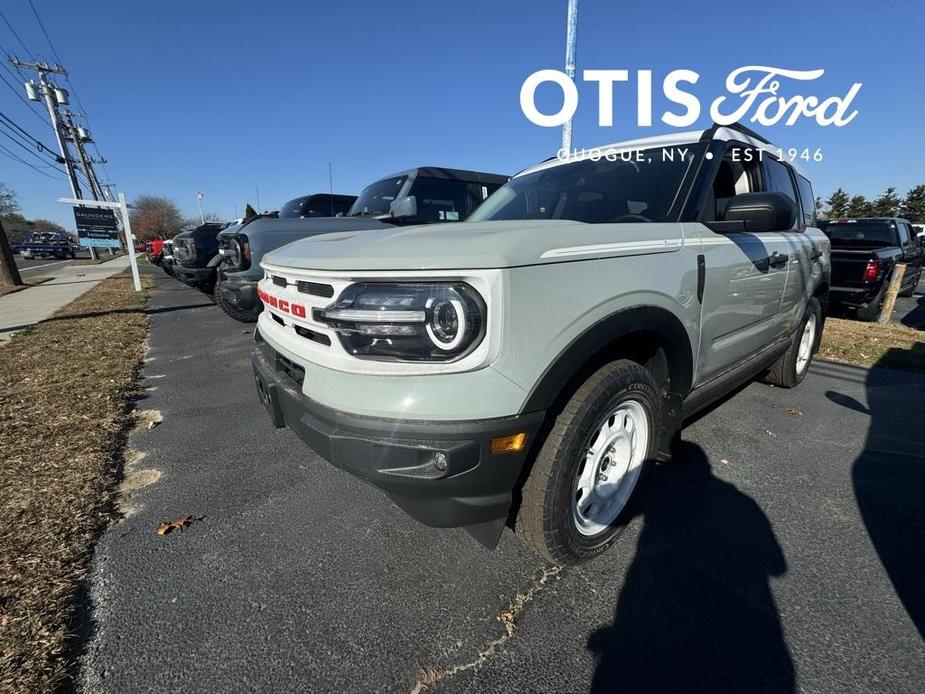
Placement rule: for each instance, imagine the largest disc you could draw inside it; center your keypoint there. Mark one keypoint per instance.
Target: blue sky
(225, 97)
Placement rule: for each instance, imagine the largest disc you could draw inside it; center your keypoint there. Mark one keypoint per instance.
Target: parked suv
(865, 252)
(550, 347)
(418, 196)
(196, 255)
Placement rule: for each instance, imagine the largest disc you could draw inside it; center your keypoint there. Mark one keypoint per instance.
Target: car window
(903, 233)
(778, 180)
(441, 199)
(861, 232)
(737, 174)
(807, 201)
(631, 189)
(376, 198)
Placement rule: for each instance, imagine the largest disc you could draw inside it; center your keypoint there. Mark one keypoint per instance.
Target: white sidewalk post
(129, 242)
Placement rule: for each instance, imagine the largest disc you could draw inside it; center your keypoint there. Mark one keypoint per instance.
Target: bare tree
(155, 217)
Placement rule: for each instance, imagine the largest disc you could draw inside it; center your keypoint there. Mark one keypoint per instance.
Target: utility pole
(78, 136)
(571, 40)
(53, 97)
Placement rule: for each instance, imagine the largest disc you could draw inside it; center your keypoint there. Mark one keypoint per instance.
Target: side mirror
(404, 207)
(757, 212)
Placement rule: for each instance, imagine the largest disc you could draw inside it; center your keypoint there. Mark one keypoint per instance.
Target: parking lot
(778, 552)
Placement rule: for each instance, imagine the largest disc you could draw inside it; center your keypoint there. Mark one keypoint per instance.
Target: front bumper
(241, 294)
(397, 456)
(194, 276)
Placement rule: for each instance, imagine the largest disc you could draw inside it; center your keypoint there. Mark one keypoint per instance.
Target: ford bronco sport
(529, 363)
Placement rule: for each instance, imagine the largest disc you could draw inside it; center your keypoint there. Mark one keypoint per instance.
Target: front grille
(290, 368)
(316, 288)
(320, 338)
(280, 281)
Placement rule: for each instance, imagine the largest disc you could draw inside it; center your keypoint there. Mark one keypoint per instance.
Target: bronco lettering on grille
(284, 305)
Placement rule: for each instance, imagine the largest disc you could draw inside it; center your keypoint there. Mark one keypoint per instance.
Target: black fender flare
(605, 332)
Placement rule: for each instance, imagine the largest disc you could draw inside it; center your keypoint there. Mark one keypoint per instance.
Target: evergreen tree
(888, 204)
(913, 207)
(858, 206)
(837, 204)
(249, 212)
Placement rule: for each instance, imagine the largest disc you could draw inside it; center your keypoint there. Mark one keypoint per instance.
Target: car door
(745, 273)
(912, 253)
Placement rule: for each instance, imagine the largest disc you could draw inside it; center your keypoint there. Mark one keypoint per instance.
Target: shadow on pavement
(889, 482)
(916, 317)
(696, 612)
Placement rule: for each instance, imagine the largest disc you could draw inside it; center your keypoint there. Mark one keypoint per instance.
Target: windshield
(639, 186)
(860, 233)
(375, 198)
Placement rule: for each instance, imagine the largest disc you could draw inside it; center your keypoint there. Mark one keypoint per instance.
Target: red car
(154, 250)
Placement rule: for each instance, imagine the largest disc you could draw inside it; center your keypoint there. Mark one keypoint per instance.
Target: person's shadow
(889, 476)
(696, 611)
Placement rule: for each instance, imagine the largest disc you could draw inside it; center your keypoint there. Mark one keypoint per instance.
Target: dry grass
(64, 392)
(873, 344)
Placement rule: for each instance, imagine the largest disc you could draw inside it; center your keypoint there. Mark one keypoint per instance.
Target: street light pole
(571, 39)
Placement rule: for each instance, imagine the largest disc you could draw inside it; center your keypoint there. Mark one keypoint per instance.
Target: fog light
(508, 444)
(440, 461)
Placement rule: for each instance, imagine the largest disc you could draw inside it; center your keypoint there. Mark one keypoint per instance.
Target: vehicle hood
(305, 226)
(473, 245)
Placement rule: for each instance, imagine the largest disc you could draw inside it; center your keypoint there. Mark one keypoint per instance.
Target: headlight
(428, 321)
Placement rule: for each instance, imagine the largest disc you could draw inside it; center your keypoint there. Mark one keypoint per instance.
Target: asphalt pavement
(779, 552)
(31, 265)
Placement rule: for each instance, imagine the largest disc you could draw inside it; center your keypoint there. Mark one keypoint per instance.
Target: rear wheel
(579, 495)
(792, 366)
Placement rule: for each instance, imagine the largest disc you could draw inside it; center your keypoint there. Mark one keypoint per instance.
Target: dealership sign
(96, 227)
(754, 93)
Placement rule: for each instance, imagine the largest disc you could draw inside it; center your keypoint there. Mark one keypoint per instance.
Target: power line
(38, 143)
(12, 155)
(67, 78)
(25, 147)
(47, 37)
(13, 31)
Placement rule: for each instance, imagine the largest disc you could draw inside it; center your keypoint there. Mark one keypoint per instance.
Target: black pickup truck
(195, 255)
(864, 254)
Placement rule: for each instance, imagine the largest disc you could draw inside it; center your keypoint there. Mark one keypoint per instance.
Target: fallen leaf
(178, 524)
(794, 411)
(724, 461)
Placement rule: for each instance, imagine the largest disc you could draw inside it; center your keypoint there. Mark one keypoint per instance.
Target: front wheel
(792, 366)
(578, 497)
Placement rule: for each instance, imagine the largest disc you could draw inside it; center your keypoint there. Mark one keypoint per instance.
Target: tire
(550, 519)
(871, 312)
(912, 286)
(235, 312)
(792, 366)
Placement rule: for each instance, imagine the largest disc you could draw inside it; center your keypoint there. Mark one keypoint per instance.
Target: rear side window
(807, 202)
(442, 200)
(903, 234)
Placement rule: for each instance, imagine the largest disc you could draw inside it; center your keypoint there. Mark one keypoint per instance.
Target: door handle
(776, 259)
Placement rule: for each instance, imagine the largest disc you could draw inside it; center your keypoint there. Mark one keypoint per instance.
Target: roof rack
(709, 132)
